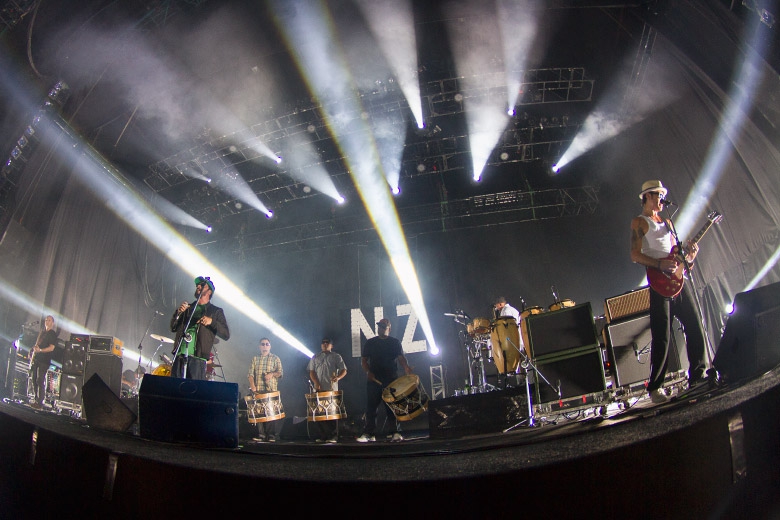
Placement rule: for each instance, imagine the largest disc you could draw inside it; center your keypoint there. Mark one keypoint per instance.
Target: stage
(708, 453)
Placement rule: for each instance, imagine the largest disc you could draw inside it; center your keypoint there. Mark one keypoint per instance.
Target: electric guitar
(670, 285)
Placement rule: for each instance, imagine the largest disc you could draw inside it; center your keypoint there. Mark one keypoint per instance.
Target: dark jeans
(196, 368)
(373, 401)
(270, 429)
(662, 310)
(38, 373)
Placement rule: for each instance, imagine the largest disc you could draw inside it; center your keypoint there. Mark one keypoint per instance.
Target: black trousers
(662, 310)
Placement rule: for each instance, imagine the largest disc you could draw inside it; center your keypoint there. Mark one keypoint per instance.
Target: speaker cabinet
(559, 331)
(577, 373)
(628, 349)
(199, 413)
(751, 341)
(108, 367)
(75, 356)
(103, 409)
(70, 388)
(476, 414)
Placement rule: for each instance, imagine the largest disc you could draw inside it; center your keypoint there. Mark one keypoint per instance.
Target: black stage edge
(712, 453)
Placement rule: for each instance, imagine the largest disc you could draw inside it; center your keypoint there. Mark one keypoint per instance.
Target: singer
(196, 325)
(652, 240)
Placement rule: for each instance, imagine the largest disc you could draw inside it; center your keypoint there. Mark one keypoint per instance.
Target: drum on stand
(529, 311)
(264, 407)
(563, 304)
(405, 397)
(325, 406)
(478, 326)
(162, 370)
(505, 339)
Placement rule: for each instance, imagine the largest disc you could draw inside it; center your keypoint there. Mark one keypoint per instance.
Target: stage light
(208, 179)
(208, 229)
(421, 167)
(420, 125)
(307, 189)
(504, 156)
(278, 160)
(238, 205)
(269, 214)
(730, 308)
(341, 200)
(311, 129)
(396, 190)
(511, 112)
(22, 142)
(555, 168)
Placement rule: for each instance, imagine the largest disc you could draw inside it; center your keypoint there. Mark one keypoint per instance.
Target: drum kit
(500, 342)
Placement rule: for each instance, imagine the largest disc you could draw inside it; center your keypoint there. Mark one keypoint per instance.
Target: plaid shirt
(262, 365)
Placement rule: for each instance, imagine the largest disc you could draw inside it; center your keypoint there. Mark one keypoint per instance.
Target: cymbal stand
(525, 364)
(218, 362)
(483, 386)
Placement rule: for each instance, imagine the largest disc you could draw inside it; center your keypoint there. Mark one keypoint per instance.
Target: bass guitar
(670, 285)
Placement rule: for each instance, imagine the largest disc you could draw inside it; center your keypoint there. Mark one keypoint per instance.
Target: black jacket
(204, 340)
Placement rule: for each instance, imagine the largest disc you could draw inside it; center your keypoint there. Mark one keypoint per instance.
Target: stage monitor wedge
(750, 344)
(103, 409)
(198, 413)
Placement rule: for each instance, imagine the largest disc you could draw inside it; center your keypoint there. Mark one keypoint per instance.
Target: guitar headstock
(714, 217)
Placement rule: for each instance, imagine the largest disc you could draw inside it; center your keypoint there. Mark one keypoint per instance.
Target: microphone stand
(141, 345)
(526, 362)
(191, 308)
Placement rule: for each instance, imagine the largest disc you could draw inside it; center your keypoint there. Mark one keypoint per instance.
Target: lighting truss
(273, 185)
(478, 211)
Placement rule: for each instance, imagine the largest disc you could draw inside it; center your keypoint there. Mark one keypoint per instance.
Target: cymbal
(161, 338)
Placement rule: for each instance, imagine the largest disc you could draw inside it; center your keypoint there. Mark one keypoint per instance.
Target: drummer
(326, 369)
(502, 308)
(378, 360)
(265, 371)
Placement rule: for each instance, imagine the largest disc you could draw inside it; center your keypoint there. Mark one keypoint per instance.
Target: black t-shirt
(48, 338)
(383, 354)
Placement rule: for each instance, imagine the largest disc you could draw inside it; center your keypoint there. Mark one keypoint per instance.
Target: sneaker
(658, 396)
(366, 438)
(397, 437)
(259, 439)
(332, 440)
(273, 439)
(319, 441)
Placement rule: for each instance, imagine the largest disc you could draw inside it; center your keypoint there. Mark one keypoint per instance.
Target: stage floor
(593, 449)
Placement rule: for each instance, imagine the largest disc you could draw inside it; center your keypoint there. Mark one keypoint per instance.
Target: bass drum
(264, 407)
(325, 406)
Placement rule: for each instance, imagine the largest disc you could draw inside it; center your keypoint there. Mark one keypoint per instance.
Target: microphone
(667, 202)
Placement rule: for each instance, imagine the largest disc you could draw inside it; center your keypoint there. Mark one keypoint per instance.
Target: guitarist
(652, 241)
(42, 352)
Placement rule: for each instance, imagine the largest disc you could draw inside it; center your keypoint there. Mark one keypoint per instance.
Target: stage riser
(476, 414)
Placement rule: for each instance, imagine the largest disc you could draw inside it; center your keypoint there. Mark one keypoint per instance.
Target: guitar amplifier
(105, 345)
(627, 304)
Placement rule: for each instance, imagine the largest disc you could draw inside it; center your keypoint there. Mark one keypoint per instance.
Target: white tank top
(657, 242)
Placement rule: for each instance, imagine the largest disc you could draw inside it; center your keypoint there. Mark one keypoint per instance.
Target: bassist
(652, 241)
